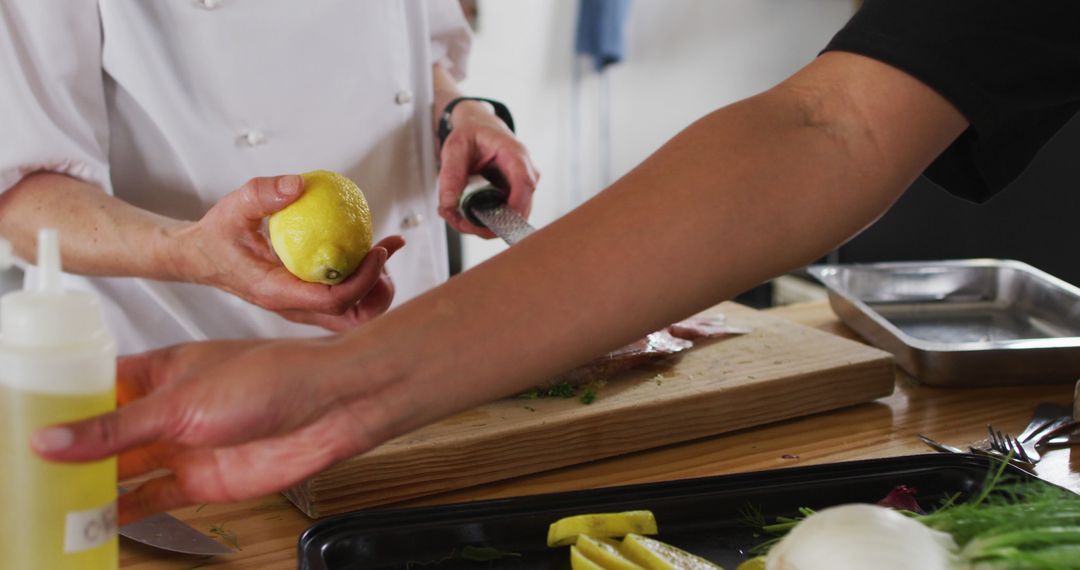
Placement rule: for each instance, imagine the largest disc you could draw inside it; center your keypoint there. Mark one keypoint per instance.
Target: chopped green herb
(227, 536)
(530, 408)
(561, 390)
(200, 507)
(753, 516)
(588, 396)
(485, 553)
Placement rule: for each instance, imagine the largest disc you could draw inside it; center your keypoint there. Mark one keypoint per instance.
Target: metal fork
(945, 448)
(1005, 443)
(1045, 415)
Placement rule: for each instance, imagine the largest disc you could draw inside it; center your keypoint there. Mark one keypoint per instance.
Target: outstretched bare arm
(748, 192)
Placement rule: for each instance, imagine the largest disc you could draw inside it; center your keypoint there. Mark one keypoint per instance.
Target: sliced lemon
(755, 563)
(566, 530)
(579, 561)
(655, 555)
(613, 542)
(606, 555)
(324, 235)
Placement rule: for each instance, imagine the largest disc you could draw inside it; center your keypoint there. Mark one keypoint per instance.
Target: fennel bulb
(862, 537)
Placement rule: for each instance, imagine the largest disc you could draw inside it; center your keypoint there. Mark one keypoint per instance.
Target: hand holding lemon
(323, 236)
(325, 240)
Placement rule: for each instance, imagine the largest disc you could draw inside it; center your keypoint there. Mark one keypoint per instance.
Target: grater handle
(480, 198)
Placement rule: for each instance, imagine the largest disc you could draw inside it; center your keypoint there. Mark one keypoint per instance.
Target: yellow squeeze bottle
(57, 364)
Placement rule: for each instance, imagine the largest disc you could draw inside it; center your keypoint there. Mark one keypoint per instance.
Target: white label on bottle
(89, 529)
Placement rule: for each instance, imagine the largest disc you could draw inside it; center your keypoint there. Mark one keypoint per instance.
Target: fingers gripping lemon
(324, 235)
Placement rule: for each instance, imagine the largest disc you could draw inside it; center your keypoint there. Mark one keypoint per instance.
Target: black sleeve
(1012, 67)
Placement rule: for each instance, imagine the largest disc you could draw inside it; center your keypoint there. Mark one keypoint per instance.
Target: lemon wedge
(613, 542)
(756, 563)
(324, 235)
(603, 525)
(607, 556)
(579, 561)
(655, 555)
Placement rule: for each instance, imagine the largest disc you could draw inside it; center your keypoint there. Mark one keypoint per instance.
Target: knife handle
(480, 198)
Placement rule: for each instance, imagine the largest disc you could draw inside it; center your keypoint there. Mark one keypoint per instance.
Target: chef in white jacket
(138, 128)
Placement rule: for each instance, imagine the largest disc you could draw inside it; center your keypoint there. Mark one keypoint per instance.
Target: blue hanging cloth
(600, 30)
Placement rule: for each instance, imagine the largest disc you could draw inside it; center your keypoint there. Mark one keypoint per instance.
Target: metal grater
(486, 206)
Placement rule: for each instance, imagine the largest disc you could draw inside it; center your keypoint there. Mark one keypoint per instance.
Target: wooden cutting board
(778, 371)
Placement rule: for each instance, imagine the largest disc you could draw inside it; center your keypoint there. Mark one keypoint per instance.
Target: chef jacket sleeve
(450, 36)
(52, 102)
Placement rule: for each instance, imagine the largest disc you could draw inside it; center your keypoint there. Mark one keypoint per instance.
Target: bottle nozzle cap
(7, 255)
(43, 313)
(48, 262)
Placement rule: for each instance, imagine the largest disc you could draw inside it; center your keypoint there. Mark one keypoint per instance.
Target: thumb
(263, 196)
(133, 425)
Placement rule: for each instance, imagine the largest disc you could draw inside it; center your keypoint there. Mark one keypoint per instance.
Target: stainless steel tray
(974, 322)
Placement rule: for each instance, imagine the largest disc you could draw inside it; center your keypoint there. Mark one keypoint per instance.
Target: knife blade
(486, 206)
(166, 532)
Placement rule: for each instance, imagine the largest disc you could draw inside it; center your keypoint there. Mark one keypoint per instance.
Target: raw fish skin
(655, 347)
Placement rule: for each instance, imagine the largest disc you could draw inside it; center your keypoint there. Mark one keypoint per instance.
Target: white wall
(684, 58)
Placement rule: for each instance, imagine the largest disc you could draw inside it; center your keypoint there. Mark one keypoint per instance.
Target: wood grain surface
(779, 370)
(267, 528)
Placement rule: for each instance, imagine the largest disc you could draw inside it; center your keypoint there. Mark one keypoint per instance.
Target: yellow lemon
(600, 551)
(613, 542)
(757, 563)
(324, 235)
(656, 555)
(579, 561)
(566, 530)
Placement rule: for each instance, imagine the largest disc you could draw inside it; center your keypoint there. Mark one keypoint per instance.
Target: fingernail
(383, 255)
(52, 439)
(289, 185)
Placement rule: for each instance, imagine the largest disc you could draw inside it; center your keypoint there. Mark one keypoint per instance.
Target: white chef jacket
(171, 104)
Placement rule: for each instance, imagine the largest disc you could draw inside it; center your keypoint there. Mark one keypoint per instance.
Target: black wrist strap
(445, 126)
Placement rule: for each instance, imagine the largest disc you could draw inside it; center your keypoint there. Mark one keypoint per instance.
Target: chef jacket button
(253, 137)
(412, 221)
(403, 97)
(209, 4)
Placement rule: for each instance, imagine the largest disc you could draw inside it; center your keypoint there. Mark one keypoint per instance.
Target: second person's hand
(227, 249)
(230, 420)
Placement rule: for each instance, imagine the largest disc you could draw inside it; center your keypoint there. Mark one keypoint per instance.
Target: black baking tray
(706, 516)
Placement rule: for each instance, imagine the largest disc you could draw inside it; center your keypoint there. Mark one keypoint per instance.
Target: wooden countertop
(267, 529)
